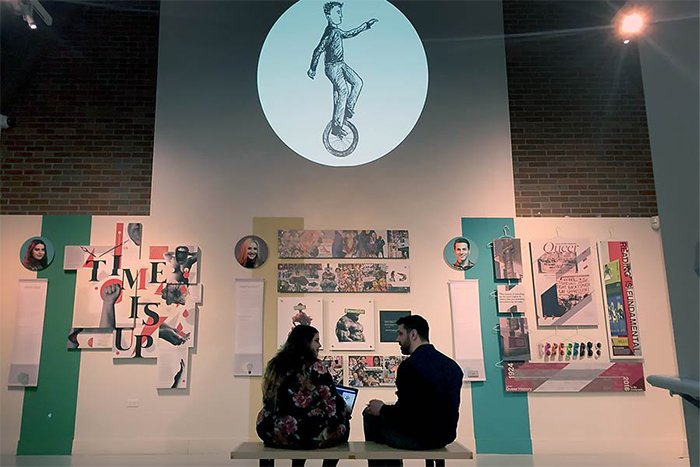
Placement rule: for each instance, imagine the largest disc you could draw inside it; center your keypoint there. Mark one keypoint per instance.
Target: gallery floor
(491, 460)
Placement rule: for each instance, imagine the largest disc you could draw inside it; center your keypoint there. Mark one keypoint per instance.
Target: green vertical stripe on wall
(501, 419)
(48, 411)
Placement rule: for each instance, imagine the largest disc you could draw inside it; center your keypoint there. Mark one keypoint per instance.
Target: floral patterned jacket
(307, 413)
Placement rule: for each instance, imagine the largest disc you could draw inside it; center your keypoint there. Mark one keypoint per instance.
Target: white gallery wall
(218, 165)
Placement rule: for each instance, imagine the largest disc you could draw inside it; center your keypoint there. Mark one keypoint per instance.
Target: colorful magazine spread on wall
(373, 370)
(618, 286)
(342, 277)
(561, 270)
(367, 243)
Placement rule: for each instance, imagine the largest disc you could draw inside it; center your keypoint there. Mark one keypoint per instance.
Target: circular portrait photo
(36, 253)
(251, 251)
(461, 253)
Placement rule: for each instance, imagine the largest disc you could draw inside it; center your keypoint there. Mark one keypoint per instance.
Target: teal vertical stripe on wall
(48, 411)
(501, 419)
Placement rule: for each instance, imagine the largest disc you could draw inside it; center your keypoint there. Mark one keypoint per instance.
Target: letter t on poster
(248, 333)
(466, 328)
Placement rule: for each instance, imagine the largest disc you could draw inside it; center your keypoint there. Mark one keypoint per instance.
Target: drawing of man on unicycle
(340, 136)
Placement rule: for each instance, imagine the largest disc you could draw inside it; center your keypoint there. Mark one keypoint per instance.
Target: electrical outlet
(132, 402)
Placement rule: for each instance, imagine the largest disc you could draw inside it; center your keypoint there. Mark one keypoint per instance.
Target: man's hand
(169, 334)
(311, 73)
(371, 22)
(110, 293)
(374, 407)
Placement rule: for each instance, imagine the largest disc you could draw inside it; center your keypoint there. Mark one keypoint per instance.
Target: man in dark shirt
(428, 385)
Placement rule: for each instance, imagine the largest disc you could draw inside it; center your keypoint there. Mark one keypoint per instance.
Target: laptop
(348, 394)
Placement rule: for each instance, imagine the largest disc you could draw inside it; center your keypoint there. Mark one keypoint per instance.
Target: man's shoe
(349, 113)
(338, 131)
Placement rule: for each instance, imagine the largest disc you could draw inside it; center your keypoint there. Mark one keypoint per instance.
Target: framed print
(620, 301)
(387, 324)
(293, 311)
(561, 270)
(350, 324)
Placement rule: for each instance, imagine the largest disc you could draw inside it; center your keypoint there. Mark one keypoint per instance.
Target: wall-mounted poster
(251, 251)
(620, 302)
(562, 269)
(574, 377)
(293, 311)
(508, 258)
(466, 328)
(515, 339)
(137, 306)
(36, 253)
(388, 328)
(368, 243)
(511, 298)
(461, 253)
(350, 324)
(29, 328)
(373, 370)
(343, 277)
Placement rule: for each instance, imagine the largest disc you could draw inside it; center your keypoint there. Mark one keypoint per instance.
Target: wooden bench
(352, 450)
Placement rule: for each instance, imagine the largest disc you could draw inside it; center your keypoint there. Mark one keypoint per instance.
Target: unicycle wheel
(341, 146)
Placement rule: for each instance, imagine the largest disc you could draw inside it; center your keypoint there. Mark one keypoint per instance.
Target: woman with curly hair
(35, 259)
(301, 408)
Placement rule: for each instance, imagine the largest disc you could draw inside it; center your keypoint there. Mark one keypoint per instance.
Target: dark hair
(327, 7)
(416, 322)
(32, 263)
(462, 240)
(295, 356)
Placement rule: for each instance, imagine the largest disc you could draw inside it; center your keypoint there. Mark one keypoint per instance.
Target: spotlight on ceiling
(27, 8)
(630, 23)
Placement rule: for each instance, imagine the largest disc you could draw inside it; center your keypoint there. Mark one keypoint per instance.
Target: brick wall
(82, 94)
(83, 97)
(577, 114)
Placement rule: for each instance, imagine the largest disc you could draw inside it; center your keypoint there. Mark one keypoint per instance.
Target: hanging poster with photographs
(620, 302)
(350, 324)
(511, 298)
(334, 365)
(508, 258)
(373, 370)
(388, 328)
(293, 311)
(342, 277)
(515, 339)
(562, 271)
(367, 243)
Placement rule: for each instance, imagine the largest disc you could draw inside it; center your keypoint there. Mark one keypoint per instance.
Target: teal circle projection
(342, 85)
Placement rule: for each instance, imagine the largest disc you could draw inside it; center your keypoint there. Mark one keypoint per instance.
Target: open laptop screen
(348, 394)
